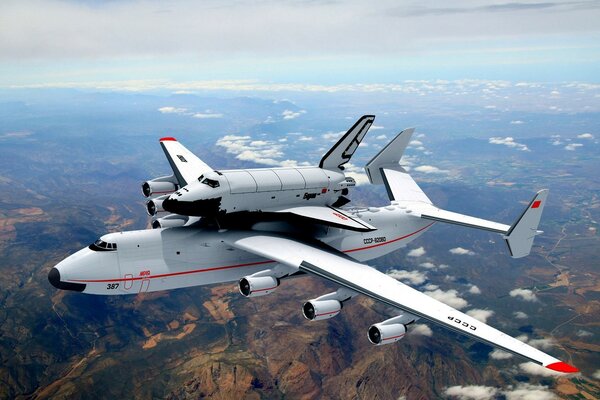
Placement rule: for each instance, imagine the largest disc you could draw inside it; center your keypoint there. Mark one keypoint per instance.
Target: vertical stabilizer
(343, 150)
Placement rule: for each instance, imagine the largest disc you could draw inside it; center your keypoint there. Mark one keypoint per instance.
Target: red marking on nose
(324, 190)
(536, 204)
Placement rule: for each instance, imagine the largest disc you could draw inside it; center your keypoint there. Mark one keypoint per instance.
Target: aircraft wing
(186, 166)
(329, 216)
(336, 267)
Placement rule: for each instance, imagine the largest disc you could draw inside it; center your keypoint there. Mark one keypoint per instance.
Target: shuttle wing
(186, 166)
(336, 267)
(329, 216)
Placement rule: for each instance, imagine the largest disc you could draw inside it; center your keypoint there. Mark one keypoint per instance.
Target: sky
(65, 42)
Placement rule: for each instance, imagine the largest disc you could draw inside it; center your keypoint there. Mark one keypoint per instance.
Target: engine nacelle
(159, 186)
(254, 286)
(317, 310)
(170, 221)
(154, 206)
(391, 330)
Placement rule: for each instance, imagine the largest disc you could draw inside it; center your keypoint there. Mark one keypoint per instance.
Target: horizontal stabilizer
(186, 166)
(401, 186)
(520, 235)
(436, 214)
(330, 216)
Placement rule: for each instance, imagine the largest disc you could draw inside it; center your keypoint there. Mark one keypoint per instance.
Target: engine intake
(159, 186)
(380, 334)
(254, 286)
(154, 206)
(391, 330)
(170, 221)
(317, 310)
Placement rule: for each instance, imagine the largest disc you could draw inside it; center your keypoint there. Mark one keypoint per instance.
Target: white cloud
(517, 122)
(430, 169)
(584, 333)
(473, 392)
(376, 127)
(431, 286)
(415, 143)
(289, 114)
(305, 139)
(523, 391)
(414, 277)
(450, 298)
(428, 265)
(459, 251)
(532, 368)
(333, 135)
(172, 110)
(480, 315)
(381, 137)
(542, 344)
(500, 355)
(207, 115)
(596, 375)
(573, 146)
(520, 315)
(527, 391)
(258, 151)
(508, 141)
(420, 329)
(418, 252)
(556, 142)
(474, 290)
(525, 294)
(585, 136)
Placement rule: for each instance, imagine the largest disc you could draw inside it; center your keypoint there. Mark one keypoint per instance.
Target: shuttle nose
(196, 208)
(54, 279)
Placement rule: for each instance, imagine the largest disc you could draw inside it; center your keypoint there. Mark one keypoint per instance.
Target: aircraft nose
(54, 278)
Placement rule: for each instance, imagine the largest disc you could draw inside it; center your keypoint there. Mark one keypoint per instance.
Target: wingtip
(562, 367)
(167, 139)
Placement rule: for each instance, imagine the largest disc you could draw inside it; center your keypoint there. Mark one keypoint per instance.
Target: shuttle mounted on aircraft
(259, 227)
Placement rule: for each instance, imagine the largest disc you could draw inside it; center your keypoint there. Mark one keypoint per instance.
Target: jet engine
(254, 286)
(390, 330)
(159, 186)
(170, 221)
(317, 310)
(154, 206)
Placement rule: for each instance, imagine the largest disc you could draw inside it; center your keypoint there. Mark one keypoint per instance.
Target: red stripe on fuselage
(391, 241)
(139, 278)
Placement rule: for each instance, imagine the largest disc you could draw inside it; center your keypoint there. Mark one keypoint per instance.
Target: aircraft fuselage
(162, 259)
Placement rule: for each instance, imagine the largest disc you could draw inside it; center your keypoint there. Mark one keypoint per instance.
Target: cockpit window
(101, 245)
(211, 182)
(200, 178)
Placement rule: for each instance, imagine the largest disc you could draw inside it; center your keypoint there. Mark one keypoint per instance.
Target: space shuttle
(313, 193)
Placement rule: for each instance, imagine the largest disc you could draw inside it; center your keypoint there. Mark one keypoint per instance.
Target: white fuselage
(161, 259)
(261, 189)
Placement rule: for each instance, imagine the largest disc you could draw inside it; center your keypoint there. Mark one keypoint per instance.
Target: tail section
(343, 150)
(519, 237)
(385, 169)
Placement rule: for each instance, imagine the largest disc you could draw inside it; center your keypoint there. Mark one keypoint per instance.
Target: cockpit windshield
(101, 245)
(211, 182)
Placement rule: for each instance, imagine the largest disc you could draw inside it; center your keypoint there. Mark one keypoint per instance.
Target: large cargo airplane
(261, 226)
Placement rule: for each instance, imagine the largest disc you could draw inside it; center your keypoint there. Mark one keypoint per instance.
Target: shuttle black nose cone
(170, 205)
(54, 279)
